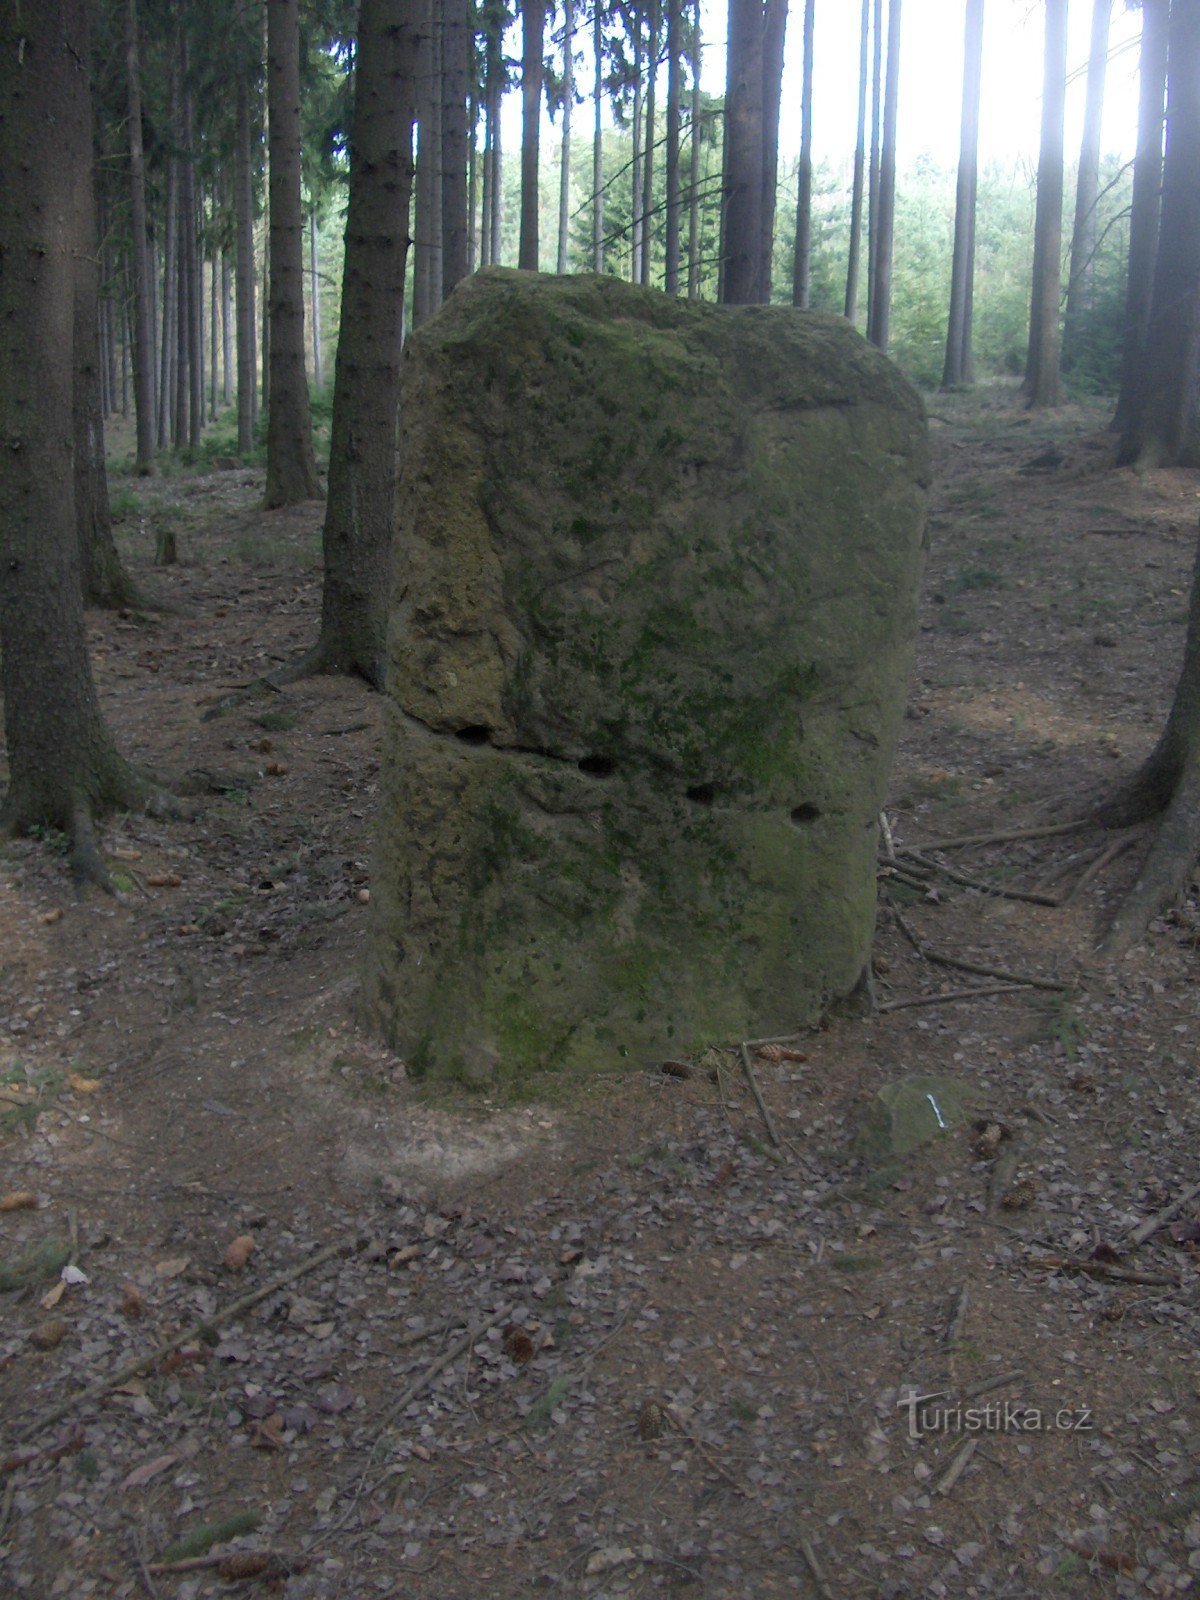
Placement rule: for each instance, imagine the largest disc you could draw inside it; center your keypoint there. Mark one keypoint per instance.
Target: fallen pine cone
(651, 1420)
(780, 1052)
(518, 1346)
(1019, 1197)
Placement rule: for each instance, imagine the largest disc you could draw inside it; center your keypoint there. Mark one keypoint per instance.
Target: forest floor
(600, 1342)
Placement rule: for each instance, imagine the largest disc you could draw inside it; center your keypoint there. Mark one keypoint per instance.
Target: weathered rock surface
(654, 603)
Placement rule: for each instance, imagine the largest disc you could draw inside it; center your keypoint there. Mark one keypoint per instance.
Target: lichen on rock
(655, 583)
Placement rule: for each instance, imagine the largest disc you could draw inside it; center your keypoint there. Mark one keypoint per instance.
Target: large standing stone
(655, 585)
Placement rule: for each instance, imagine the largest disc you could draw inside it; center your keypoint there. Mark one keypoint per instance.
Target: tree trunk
(360, 513)
(63, 767)
(243, 185)
(427, 225)
(1164, 429)
(802, 264)
(693, 281)
(775, 14)
(957, 368)
(860, 160)
(1081, 276)
(1144, 208)
(456, 84)
(743, 176)
(166, 385)
(104, 581)
(214, 321)
(598, 141)
(674, 117)
(291, 466)
(1041, 387)
(881, 299)
(315, 275)
(183, 314)
(143, 344)
(873, 169)
(533, 20)
(226, 330)
(192, 286)
(636, 220)
(564, 167)
(648, 157)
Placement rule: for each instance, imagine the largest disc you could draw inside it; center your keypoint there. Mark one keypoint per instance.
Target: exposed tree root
(1165, 871)
(321, 658)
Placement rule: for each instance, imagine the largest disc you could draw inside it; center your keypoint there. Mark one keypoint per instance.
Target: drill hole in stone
(476, 735)
(806, 813)
(702, 794)
(598, 766)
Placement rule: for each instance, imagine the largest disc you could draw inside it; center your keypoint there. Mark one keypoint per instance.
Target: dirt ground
(609, 1340)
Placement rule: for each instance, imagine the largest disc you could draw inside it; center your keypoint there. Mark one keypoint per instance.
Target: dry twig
(764, 1112)
(1147, 1229)
(957, 1467)
(979, 992)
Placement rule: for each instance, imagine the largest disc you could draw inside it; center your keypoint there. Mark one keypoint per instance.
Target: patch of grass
(849, 1263)
(124, 504)
(980, 578)
(1064, 1027)
(952, 620)
(45, 1086)
(202, 1538)
(40, 1261)
(276, 721)
(53, 838)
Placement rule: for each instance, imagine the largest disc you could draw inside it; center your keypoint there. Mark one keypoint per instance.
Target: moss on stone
(658, 561)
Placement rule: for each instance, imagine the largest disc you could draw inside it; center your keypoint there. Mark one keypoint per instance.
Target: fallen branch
(981, 969)
(1147, 1229)
(957, 1467)
(449, 1355)
(1102, 1269)
(764, 1112)
(242, 1564)
(814, 1566)
(986, 1385)
(958, 1316)
(979, 992)
(1008, 836)
(981, 884)
(196, 1330)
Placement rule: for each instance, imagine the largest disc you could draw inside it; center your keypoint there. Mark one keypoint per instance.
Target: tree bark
(881, 293)
(1164, 429)
(853, 262)
(291, 466)
(226, 330)
(957, 368)
(873, 168)
(564, 166)
(637, 227)
(533, 20)
(243, 184)
(598, 140)
(166, 386)
(427, 224)
(652, 49)
(360, 514)
(802, 259)
(63, 766)
(1144, 207)
(1041, 387)
(671, 242)
(456, 83)
(1081, 275)
(694, 131)
(743, 175)
(143, 344)
(315, 275)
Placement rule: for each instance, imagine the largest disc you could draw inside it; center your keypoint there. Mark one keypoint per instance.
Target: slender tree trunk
(291, 466)
(214, 321)
(126, 339)
(957, 368)
(882, 301)
(456, 83)
(802, 266)
(473, 165)
(315, 274)
(652, 51)
(673, 217)
(497, 163)
(190, 255)
(265, 301)
(860, 161)
(143, 345)
(1041, 386)
(598, 140)
(166, 386)
(243, 185)
(637, 220)
(533, 21)
(427, 228)
(693, 282)
(564, 170)
(774, 29)
(873, 168)
(1164, 428)
(1081, 276)
(226, 330)
(1144, 208)
(63, 767)
(360, 514)
(103, 578)
(183, 314)
(152, 306)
